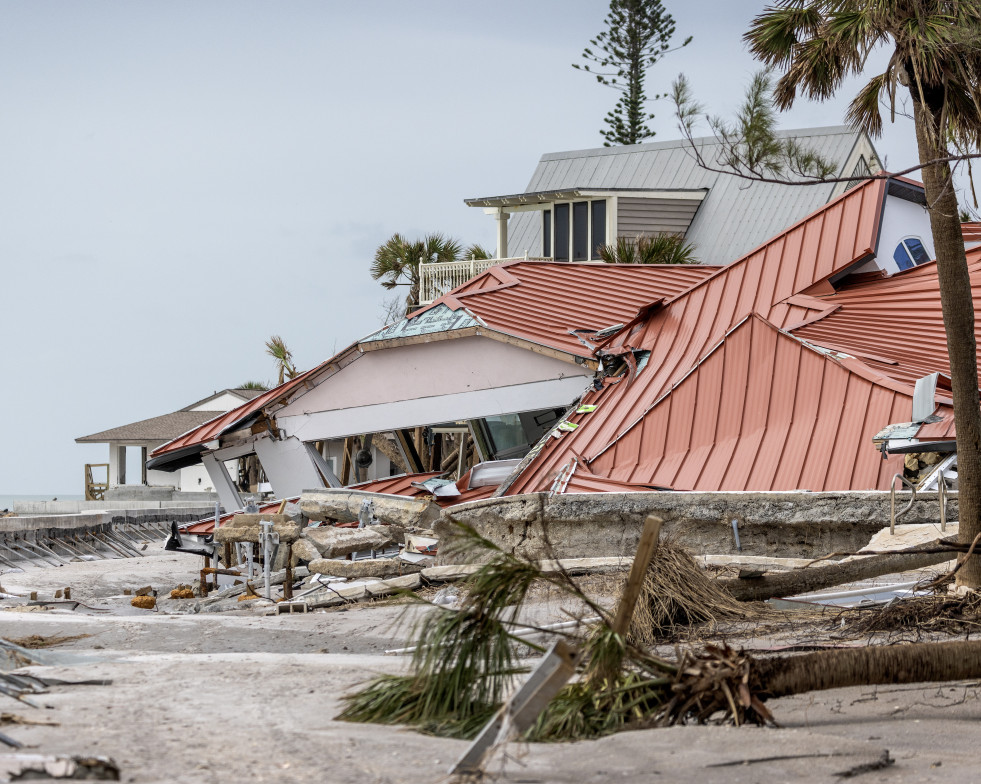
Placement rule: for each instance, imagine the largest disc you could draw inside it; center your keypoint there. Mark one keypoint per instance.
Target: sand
(244, 697)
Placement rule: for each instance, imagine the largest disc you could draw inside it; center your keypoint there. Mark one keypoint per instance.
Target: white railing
(437, 279)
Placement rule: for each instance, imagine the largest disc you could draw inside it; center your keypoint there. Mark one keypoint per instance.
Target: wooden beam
(635, 582)
(346, 461)
(413, 463)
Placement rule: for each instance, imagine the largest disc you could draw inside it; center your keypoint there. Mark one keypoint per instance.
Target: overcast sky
(180, 180)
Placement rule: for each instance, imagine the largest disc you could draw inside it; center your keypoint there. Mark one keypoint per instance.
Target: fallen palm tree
(466, 662)
(817, 578)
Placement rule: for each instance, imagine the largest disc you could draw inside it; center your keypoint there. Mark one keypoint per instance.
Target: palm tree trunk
(957, 303)
(818, 578)
(919, 663)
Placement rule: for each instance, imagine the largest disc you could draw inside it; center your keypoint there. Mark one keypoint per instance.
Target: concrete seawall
(790, 525)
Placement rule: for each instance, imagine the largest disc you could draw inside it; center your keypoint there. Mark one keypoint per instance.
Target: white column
(502, 232)
(117, 465)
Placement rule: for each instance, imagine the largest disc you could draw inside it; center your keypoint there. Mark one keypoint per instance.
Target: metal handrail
(941, 498)
(893, 517)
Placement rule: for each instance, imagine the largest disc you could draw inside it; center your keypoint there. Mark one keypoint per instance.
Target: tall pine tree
(637, 35)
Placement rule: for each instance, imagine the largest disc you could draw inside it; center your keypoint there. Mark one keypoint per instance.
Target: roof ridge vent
(924, 396)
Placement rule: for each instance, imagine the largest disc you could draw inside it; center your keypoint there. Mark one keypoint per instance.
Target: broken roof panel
(543, 302)
(679, 334)
(210, 430)
(762, 411)
(894, 324)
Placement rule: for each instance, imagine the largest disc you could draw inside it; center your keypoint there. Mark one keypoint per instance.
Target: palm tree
(259, 385)
(659, 249)
(936, 59)
(276, 348)
(397, 261)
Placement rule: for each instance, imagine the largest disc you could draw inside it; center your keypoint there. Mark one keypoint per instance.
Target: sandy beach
(243, 696)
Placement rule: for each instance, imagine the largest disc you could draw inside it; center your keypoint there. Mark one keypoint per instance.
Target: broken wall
(777, 524)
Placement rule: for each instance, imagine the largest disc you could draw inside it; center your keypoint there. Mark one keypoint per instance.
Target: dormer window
(910, 253)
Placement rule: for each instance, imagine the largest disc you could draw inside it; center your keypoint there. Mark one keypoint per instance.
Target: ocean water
(7, 500)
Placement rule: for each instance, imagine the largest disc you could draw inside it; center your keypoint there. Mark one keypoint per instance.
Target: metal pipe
(27, 543)
(266, 536)
(942, 498)
(88, 547)
(44, 549)
(114, 547)
(24, 556)
(735, 533)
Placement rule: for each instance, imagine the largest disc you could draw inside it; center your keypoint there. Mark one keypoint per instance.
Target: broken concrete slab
(304, 551)
(407, 582)
(344, 506)
(368, 567)
(336, 542)
(245, 528)
(449, 574)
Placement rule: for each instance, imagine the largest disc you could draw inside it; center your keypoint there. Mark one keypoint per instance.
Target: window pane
(580, 231)
(901, 257)
(916, 250)
(599, 227)
(561, 232)
(547, 233)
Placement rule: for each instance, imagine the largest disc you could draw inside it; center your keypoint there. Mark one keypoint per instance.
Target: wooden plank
(635, 581)
(346, 461)
(407, 444)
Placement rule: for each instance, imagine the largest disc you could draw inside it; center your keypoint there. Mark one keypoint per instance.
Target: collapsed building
(772, 373)
(505, 345)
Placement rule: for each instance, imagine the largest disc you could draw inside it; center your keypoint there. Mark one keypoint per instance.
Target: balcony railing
(437, 279)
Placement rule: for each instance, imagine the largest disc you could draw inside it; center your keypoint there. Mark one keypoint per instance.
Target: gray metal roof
(735, 216)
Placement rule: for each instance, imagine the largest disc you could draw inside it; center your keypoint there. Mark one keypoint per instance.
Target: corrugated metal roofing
(894, 324)
(762, 411)
(403, 485)
(686, 328)
(543, 301)
(971, 232)
(735, 216)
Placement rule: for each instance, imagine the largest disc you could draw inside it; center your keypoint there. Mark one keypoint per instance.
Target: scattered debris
(182, 592)
(45, 767)
(677, 593)
(13, 718)
(144, 602)
(35, 641)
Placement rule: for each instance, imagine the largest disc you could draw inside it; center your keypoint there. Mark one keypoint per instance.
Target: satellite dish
(363, 458)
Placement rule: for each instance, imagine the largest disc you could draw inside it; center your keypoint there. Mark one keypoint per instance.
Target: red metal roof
(762, 411)
(207, 525)
(213, 428)
(942, 430)
(403, 485)
(685, 329)
(895, 325)
(971, 232)
(543, 301)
